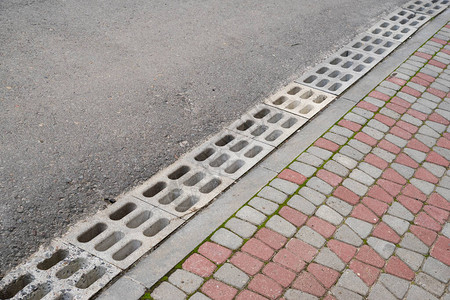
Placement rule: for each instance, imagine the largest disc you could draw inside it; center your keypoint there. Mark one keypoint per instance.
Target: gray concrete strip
(388, 65)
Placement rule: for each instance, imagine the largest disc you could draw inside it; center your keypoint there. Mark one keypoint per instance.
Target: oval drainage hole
(259, 130)
(40, 292)
(65, 296)
(306, 95)
(322, 70)
(273, 135)
(225, 140)
(293, 105)
(109, 241)
(172, 195)
(205, 154)
(123, 211)
(253, 152)
(139, 219)
(294, 90)
(246, 125)
(262, 113)
(289, 123)
(306, 109)
(92, 232)
(231, 169)
(210, 186)
(16, 286)
(186, 204)
(156, 227)
(310, 79)
(347, 65)
(53, 260)
(194, 179)
(275, 118)
(154, 190)
(71, 268)
(280, 100)
(334, 74)
(127, 250)
(335, 87)
(178, 173)
(89, 278)
(346, 78)
(322, 83)
(239, 146)
(319, 99)
(219, 161)
(335, 61)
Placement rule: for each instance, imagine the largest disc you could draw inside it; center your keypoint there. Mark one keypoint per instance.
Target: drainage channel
(96, 250)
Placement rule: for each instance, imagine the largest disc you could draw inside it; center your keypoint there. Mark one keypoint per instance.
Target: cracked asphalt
(95, 97)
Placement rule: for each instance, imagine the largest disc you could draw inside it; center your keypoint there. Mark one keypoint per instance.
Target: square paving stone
(310, 236)
(186, 281)
(251, 215)
(395, 285)
(285, 186)
(231, 275)
(265, 206)
(167, 291)
(301, 204)
(227, 239)
(280, 225)
(241, 228)
(272, 194)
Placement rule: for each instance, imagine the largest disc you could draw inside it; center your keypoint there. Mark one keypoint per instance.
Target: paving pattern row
(362, 213)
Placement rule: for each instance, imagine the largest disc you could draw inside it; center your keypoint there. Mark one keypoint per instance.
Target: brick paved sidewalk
(362, 213)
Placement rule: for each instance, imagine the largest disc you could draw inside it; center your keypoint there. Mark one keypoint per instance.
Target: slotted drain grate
(339, 71)
(300, 100)
(182, 188)
(229, 154)
(428, 7)
(267, 124)
(59, 271)
(373, 45)
(124, 231)
(392, 31)
(406, 17)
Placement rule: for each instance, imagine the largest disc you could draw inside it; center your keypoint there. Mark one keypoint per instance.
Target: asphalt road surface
(96, 96)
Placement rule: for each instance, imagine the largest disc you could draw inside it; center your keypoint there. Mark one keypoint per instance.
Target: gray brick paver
(231, 275)
(280, 225)
(186, 281)
(265, 206)
(227, 239)
(241, 228)
(285, 186)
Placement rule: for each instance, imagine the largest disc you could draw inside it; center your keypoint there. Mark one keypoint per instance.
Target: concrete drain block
(229, 154)
(300, 100)
(181, 189)
(267, 124)
(123, 232)
(59, 271)
(405, 17)
(373, 45)
(427, 7)
(339, 71)
(392, 31)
